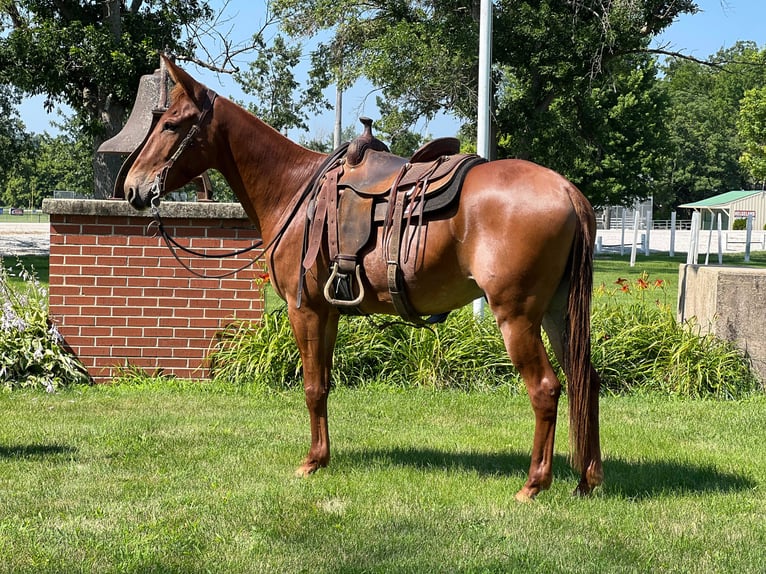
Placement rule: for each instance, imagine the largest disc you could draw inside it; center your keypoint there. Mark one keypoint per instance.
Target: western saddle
(366, 187)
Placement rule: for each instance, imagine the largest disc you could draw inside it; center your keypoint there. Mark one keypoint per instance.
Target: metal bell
(151, 102)
(141, 117)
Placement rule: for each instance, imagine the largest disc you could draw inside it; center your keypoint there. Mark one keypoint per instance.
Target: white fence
(678, 236)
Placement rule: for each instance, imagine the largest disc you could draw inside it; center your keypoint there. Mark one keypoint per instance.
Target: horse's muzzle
(135, 196)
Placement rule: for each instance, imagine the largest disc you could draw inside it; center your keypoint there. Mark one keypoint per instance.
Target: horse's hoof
(592, 478)
(524, 497)
(582, 490)
(305, 470)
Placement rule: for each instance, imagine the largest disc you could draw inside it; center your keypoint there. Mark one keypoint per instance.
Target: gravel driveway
(24, 239)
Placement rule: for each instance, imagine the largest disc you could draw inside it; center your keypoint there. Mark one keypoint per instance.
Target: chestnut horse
(521, 235)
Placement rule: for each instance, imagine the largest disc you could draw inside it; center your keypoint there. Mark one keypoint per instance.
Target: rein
(158, 188)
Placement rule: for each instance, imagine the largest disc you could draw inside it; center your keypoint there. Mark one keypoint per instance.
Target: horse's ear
(192, 87)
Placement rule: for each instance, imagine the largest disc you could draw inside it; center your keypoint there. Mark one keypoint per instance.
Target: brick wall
(119, 298)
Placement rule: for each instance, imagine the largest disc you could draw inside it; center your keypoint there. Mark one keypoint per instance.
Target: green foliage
(271, 80)
(637, 346)
(461, 353)
(703, 123)
(574, 86)
(90, 55)
(751, 126)
(31, 354)
(264, 353)
(325, 144)
(11, 128)
(105, 49)
(46, 164)
(739, 224)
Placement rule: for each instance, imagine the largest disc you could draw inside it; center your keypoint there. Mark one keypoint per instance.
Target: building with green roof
(732, 205)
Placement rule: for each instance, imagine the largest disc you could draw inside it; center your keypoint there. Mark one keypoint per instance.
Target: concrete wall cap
(121, 208)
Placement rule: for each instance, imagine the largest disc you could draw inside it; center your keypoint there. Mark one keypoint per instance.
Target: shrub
(31, 354)
(638, 346)
(461, 353)
(739, 224)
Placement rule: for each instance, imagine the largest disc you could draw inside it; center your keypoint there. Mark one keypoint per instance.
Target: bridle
(158, 189)
(158, 186)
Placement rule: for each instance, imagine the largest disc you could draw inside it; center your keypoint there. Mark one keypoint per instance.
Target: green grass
(28, 217)
(609, 268)
(164, 478)
(39, 263)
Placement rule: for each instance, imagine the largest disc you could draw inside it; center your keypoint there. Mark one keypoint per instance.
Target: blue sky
(719, 24)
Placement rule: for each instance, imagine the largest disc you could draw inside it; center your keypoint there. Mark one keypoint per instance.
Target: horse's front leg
(315, 333)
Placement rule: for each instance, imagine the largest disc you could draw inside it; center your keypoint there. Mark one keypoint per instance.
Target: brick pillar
(119, 297)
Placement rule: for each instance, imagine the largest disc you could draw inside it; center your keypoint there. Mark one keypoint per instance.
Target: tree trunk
(107, 166)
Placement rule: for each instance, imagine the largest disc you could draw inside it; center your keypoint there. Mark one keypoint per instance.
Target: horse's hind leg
(315, 334)
(525, 347)
(554, 323)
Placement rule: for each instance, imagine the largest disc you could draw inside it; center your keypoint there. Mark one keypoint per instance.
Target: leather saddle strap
(332, 214)
(316, 232)
(393, 272)
(417, 203)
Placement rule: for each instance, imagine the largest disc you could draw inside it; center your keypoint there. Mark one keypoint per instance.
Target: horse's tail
(582, 382)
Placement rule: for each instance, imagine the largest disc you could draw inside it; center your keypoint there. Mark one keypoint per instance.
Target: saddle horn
(362, 143)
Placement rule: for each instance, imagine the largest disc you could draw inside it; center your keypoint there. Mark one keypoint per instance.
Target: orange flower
(659, 283)
(642, 284)
(621, 281)
(263, 278)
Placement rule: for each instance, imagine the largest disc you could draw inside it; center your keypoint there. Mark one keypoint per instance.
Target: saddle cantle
(370, 187)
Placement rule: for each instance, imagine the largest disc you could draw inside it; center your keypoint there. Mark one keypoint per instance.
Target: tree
(751, 126)
(704, 105)
(46, 164)
(270, 79)
(90, 54)
(556, 65)
(12, 136)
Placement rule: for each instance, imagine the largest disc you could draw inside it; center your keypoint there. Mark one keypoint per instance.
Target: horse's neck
(264, 168)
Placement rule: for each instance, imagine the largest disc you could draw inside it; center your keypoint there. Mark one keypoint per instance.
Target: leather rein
(158, 189)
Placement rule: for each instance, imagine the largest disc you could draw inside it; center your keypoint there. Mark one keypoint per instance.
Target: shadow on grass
(623, 478)
(36, 451)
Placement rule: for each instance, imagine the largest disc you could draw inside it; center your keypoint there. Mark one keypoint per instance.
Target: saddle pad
(379, 171)
(440, 195)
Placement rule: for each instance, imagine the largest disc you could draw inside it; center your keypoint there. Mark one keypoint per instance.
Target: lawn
(167, 478)
(37, 263)
(609, 268)
(27, 217)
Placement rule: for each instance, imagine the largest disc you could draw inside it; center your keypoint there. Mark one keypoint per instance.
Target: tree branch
(680, 55)
(213, 40)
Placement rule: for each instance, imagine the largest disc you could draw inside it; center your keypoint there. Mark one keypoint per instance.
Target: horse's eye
(169, 127)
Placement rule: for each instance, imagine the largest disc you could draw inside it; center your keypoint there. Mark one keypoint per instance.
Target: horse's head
(176, 150)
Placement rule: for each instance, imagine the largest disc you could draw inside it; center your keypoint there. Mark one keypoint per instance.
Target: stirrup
(328, 288)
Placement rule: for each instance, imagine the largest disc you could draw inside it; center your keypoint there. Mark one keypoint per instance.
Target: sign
(17, 211)
(743, 213)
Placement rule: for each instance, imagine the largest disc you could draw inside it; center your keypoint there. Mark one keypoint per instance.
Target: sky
(719, 24)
